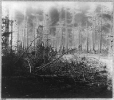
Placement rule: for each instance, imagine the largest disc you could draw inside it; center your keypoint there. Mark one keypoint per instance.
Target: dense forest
(60, 51)
(69, 27)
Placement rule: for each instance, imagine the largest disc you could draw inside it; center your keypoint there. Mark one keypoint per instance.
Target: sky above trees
(21, 6)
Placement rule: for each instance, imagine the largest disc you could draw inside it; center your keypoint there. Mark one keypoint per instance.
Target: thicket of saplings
(46, 63)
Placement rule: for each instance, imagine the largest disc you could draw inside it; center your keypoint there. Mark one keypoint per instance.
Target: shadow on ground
(50, 87)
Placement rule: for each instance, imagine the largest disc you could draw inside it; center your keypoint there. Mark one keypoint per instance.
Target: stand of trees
(64, 24)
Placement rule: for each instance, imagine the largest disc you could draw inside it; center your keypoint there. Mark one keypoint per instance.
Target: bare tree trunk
(66, 30)
(79, 38)
(101, 37)
(87, 43)
(94, 41)
(101, 30)
(87, 37)
(11, 34)
(18, 40)
(34, 38)
(80, 44)
(101, 42)
(23, 37)
(27, 30)
(94, 35)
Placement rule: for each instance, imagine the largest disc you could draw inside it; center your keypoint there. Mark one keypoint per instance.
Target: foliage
(12, 68)
(44, 55)
(83, 69)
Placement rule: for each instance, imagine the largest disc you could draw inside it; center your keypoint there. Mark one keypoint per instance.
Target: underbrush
(80, 69)
(13, 65)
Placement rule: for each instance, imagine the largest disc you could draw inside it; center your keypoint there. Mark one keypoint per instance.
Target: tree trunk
(80, 45)
(101, 37)
(87, 37)
(87, 43)
(94, 35)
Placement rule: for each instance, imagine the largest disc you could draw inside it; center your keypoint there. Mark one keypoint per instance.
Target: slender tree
(101, 31)
(87, 37)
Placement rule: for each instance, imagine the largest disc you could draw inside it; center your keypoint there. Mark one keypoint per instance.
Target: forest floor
(44, 87)
(54, 87)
